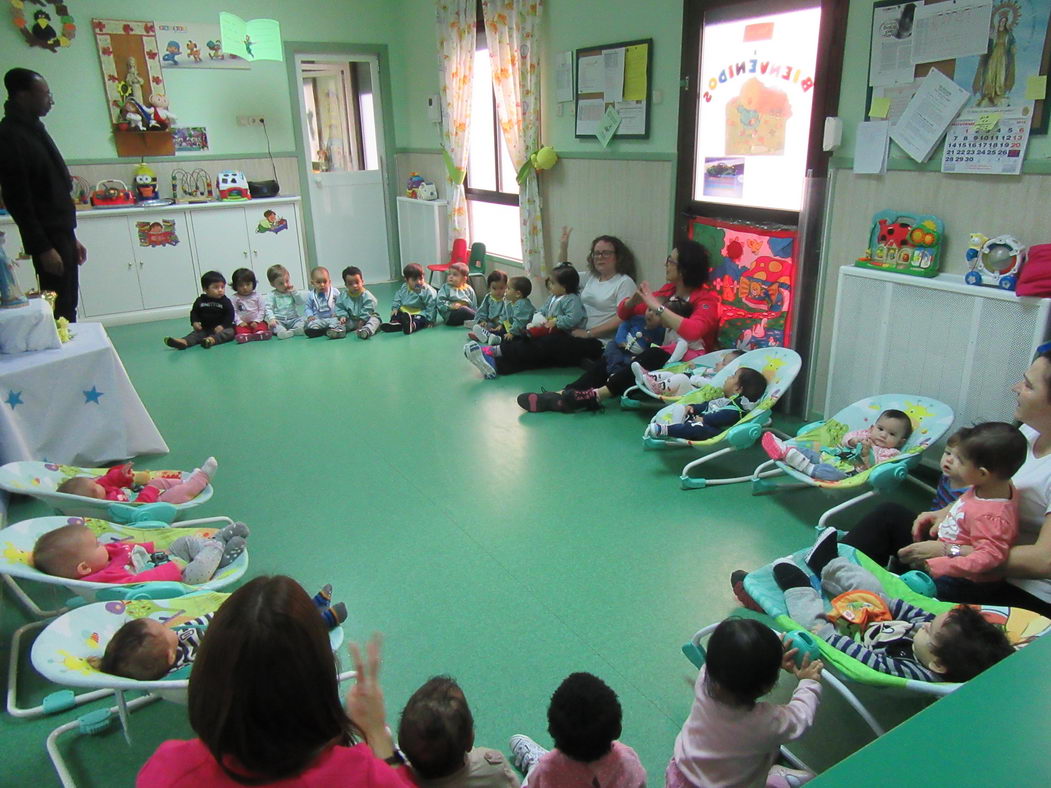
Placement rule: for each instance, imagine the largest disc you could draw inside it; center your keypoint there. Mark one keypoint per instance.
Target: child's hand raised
(809, 670)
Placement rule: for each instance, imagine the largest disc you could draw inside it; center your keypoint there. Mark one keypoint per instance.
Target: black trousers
(67, 283)
(621, 380)
(553, 350)
(459, 316)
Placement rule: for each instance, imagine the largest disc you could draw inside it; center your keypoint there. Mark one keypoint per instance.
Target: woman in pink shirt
(264, 701)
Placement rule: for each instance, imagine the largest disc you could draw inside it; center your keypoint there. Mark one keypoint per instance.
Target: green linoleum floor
(504, 548)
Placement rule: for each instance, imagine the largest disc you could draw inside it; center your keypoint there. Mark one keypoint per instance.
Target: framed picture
(614, 77)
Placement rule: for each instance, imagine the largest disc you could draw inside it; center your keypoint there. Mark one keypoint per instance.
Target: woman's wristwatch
(660, 310)
(588, 330)
(953, 551)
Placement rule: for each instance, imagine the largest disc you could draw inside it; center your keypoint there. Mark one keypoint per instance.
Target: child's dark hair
(496, 275)
(744, 657)
(968, 644)
(899, 415)
(209, 278)
(134, 654)
(679, 306)
(752, 383)
(351, 270)
(412, 271)
(274, 271)
(242, 275)
(995, 445)
(567, 276)
(461, 267)
(437, 729)
(584, 717)
(522, 285)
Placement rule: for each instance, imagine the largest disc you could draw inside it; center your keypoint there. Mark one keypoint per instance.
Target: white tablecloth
(28, 328)
(74, 405)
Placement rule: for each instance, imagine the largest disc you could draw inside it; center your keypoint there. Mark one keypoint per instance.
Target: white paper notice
(632, 117)
(613, 65)
(890, 61)
(564, 76)
(589, 115)
(946, 31)
(608, 126)
(928, 115)
(590, 76)
(870, 147)
(899, 95)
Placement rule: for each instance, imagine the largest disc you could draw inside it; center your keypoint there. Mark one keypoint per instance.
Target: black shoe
(823, 551)
(390, 327)
(576, 399)
(788, 575)
(178, 344)
(540, 403)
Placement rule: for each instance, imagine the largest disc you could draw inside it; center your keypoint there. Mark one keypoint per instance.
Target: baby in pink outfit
(118, 483)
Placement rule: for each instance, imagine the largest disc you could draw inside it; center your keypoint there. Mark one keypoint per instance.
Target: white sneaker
(525, 752)
(655, 430)
(640, 375)
(300, 330)
(472, 351)
(792, 777)
(364, 333)
(283, 333)
(482, 334)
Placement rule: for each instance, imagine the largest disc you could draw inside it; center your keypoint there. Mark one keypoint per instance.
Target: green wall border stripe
(934, 164)
(130, 160)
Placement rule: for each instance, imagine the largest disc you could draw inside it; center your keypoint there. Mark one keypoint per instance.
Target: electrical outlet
(251, 120)
(243, 120)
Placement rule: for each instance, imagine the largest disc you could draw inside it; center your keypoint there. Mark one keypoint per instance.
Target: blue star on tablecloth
(94, 395)
(14, 398)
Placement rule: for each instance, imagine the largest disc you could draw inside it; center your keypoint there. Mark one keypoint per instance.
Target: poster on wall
(156, 233)
(756, 90)
(191, 45)
(190, 139)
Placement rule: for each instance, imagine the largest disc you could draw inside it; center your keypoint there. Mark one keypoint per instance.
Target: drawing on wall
(756, 119)
(190, 139)
(192, 45)
(160, 233)
(271, 223)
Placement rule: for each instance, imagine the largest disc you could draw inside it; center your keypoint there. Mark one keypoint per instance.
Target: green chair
(476, 264)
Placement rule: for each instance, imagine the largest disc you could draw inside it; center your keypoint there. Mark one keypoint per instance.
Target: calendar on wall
(987, 141)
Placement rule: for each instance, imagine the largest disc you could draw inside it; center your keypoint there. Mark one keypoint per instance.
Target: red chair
(459, 255)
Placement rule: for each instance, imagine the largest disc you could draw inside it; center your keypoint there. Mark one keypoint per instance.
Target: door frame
(379, 51)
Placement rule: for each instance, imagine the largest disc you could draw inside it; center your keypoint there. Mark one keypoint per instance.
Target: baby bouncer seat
(930, 420)
(778, 365)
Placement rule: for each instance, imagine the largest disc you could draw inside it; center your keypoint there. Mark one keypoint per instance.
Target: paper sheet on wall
(635, 73)
(256, 39)
(890, 59)
(589, 115)
(613, 66)
(590, 75)
(608, 126)
(927, 116)
(632, 116)
(871, 144)
(899, 96)
(564, 76)
(946, 31)
(979, 144)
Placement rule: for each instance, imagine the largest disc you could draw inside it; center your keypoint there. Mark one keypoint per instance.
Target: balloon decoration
(44, 24)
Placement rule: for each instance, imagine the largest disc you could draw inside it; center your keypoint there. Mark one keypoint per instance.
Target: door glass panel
(340, 116)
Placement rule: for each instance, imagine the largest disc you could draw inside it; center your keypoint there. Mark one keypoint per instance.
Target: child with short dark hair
(356, 305)
(211, 316)
(979, 528)
(491, 311)
(584, 720)
(703, 420)
(415, 305)
(563, 311)
(456, 298)
(731, 737)
(285, 305)
(249, 308)
(321, 318)
(517, 313)
(858, 451)
(437, 736)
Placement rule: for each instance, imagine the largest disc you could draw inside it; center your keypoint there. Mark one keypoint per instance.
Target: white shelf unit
(423, 232)
(958, 343)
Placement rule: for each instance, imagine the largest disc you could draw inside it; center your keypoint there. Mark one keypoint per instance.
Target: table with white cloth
(28, 328)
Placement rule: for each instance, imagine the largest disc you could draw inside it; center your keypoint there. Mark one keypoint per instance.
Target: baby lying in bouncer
(146, 649)
(119, 483)
(74, 552)
(676, 384)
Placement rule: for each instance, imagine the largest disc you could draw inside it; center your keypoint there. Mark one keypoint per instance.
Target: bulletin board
(618, 76)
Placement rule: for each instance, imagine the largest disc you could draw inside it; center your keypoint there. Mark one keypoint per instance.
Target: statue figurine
(10, 293)
(134, 80)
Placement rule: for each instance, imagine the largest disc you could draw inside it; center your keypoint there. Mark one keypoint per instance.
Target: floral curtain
(456, 37)
(512, 35)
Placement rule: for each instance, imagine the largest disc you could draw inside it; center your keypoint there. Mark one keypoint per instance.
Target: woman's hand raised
(365, 700)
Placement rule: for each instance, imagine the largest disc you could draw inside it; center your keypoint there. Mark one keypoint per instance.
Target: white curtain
(456, 38)
(512, 30)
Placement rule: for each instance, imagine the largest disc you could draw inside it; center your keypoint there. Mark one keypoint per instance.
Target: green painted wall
(213, 98)
(854, 91)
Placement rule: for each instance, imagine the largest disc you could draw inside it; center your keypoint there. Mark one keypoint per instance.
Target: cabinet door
(221, 240)
(165, 263)
(25, 274)
(109, 281)
(273, 232)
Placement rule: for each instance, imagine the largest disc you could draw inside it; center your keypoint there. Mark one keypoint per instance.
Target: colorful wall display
(193, 45)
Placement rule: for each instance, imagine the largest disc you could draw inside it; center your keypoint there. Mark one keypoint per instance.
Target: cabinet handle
(245, 253)
(255, 252)
(129, 265)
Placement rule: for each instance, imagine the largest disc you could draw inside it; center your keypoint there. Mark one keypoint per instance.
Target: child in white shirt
(250, 318)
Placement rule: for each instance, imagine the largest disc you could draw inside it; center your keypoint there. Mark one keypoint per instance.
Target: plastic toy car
(111, 194)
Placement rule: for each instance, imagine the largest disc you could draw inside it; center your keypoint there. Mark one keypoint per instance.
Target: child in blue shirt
(415, 305)
(321, 318)
(456, 298)
(490, 314)
(284, 304)
(356, 306)
(518, 311)
(563, 311)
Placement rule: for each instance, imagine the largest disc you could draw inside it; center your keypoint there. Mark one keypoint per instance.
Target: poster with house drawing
(191, 45)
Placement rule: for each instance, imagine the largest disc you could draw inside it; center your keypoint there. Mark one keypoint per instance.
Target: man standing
(36, 189)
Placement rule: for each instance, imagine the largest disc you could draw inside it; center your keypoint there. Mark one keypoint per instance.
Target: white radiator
(423, 232)
(940, 338)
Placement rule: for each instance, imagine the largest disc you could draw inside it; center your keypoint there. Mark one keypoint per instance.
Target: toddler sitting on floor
(74, 552)
(117, 484)
(146, 649)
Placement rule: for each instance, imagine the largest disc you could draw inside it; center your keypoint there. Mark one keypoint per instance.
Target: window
(340, 121)
(491, 185)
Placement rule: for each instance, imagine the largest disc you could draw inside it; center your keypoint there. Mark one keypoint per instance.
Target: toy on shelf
(145, 181)
(233, 186)
(132, 116)
(111, 194)
(904, 243)
(160, 116)
(192, 187)
(80, 192)
(413, 185)
(995, 262)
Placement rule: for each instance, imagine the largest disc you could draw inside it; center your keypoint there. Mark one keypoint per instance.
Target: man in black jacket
(36, 189)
